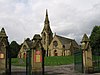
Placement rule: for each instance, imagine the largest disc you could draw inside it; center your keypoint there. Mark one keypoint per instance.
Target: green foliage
(95, 38)
(49, 61)
(14, 48)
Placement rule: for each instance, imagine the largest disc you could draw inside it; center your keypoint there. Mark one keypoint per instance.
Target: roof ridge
(64, 37)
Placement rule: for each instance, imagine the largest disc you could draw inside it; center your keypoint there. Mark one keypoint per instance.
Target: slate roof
(67, 42)
(64, 40)
(67, 46)
(29, 42)
(37, 36)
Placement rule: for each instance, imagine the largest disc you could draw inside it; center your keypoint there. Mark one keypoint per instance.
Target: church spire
(46, 24)
(46, 18)
(47, 34)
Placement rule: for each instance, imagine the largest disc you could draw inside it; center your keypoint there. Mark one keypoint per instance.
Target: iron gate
(26, 71)
(96, 60)
(28, 63)
(78, 59)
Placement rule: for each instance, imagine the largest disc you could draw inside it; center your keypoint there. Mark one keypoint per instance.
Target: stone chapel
(53, 45)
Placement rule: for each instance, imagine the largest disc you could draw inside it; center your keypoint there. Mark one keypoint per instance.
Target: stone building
(25, 46)
(46, 34)
(61, 46)
(57, 45)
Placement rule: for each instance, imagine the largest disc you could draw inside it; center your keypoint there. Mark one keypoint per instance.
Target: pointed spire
(85, 38)
(46, 12)
(3, 33)
(46, 17)
(46, 24)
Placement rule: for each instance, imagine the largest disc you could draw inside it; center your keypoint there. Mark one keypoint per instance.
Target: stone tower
(47, 34)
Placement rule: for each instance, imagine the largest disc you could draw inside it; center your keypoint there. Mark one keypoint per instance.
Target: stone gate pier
(4, 53)
(87, 55)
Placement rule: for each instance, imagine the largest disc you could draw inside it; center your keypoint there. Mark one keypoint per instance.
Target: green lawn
(18, 62)
(58, 60)
(48, 61)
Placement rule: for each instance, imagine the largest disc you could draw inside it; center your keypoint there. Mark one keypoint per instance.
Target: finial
(85, 38)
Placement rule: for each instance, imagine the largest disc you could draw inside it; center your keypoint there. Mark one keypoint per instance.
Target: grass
(58, 60)
(48, 61)
(18, 62)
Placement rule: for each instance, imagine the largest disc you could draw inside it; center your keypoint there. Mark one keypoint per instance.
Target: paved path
(63, 70)
(52, 70)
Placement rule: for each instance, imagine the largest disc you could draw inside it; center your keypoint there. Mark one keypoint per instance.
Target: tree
(14, 47)
(95, 38)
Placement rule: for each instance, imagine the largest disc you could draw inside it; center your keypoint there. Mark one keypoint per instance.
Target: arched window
(55, 43)
(24, 55)
(24, 47)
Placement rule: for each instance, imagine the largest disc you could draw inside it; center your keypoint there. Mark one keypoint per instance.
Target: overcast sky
(70, 18)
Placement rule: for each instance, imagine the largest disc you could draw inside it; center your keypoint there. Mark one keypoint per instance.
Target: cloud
(70, 18)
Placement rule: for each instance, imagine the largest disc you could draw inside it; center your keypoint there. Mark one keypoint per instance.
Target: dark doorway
(55, 53)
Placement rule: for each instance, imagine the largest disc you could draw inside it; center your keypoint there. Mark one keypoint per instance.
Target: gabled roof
(67, 42)
(64, 40)
(37, 37)
(29, 42)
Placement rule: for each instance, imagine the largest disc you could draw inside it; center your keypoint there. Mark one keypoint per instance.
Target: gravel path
(52, 70)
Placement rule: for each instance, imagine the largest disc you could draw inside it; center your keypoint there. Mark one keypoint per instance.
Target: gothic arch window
(24, 47)
(55, 43)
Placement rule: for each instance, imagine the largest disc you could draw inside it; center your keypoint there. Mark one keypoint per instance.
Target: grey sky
(69, 18)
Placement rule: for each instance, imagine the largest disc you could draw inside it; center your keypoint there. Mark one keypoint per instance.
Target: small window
(24, 47)
(55, 43)
(55, 53)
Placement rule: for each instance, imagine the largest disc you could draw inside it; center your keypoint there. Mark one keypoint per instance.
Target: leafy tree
(95, 38)
(14, 47)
